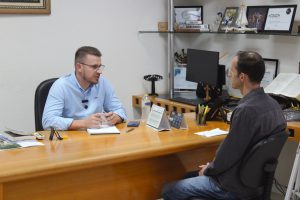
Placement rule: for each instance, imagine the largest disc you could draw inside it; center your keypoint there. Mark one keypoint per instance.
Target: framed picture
(271, 71)
(188, 17)
(256, 16)
(229, 18)
(25, 7)
(280, 18)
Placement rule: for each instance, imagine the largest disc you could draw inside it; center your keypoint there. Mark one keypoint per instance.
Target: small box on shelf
(162, 26)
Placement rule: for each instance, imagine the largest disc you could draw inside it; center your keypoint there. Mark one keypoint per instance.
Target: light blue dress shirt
(67, 101)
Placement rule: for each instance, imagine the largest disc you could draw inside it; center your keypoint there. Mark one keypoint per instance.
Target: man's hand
(113, 118)
(92, 121)
(202, 169)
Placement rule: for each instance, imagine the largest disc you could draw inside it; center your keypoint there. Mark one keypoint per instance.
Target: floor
(276, 196)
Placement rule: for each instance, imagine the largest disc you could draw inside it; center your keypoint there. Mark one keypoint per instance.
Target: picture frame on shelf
(256, 16)
(229, 18)
(25, 7)
(271, 71)
(188, 17)
(280, 18)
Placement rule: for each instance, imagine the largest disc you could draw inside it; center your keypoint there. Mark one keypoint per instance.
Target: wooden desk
(131, 165)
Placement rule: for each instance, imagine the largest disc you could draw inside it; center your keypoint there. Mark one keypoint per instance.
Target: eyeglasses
(95, 67)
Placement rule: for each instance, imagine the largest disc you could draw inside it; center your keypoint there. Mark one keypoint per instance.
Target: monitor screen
(202, 66)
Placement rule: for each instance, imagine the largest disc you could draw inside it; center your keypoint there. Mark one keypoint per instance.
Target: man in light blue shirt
(77, 100)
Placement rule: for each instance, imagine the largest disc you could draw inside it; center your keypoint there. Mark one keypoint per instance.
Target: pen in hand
(129, 130)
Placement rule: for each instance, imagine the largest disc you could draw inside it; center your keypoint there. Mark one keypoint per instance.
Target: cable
(280, 187)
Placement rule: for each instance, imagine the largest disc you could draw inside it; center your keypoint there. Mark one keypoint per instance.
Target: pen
(129, 130)
(206, 109)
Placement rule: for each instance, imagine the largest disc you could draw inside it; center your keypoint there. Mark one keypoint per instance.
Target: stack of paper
(211, 133)
(7, 144)
(103, 130)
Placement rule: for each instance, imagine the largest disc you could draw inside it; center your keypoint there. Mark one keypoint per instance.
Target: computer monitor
(202, 66)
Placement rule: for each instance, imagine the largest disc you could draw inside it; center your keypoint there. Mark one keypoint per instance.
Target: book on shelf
(286, 84)
(14, 136)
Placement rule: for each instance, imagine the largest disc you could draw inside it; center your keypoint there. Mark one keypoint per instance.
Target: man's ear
(78, 67)
(242, 77)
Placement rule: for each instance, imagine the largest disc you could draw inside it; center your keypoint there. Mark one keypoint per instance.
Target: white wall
(37, 47)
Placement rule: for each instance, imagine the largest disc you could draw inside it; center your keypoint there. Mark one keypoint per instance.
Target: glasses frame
(95, 67)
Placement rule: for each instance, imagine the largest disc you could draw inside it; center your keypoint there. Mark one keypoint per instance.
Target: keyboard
(193, 102)
(291, 115)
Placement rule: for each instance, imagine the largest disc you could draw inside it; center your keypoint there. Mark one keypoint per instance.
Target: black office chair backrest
(40, 97)
(259, 165)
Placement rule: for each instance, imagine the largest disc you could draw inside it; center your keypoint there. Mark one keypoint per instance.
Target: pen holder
(201, 119)
(197, 112)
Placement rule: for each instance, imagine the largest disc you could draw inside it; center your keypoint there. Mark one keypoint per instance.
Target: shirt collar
(75, 81)
(252, 93)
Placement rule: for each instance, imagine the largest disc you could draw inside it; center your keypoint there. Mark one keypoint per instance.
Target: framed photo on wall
(280, 18)
(25, 7)
(256, 16)
(229, 18)
(271, 71)
(188, 16)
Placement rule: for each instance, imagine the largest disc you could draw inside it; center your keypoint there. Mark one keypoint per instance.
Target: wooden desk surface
(81, 150)
(81, 154)
(132, 165)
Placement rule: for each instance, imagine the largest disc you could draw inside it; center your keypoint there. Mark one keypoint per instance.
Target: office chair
(40, 97)
(258, 166)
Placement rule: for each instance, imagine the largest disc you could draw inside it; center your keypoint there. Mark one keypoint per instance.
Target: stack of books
(193, 26)
(11, 139)
(13, 135)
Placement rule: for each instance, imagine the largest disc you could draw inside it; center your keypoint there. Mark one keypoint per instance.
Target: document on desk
(29, 143)
(211, 133)
(103, 130)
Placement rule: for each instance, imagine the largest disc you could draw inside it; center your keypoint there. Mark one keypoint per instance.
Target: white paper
(29, 143)
(211, 133)
(155, 116)
(104, 130)
(158, 118)
(287, 84)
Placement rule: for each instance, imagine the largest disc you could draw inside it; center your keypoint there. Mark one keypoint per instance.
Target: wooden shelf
(229, 33)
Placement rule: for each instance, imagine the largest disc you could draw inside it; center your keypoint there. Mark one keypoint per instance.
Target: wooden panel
(192, 159)
(142, 179)
(171, 105)
(1, 191)
(295, 127)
